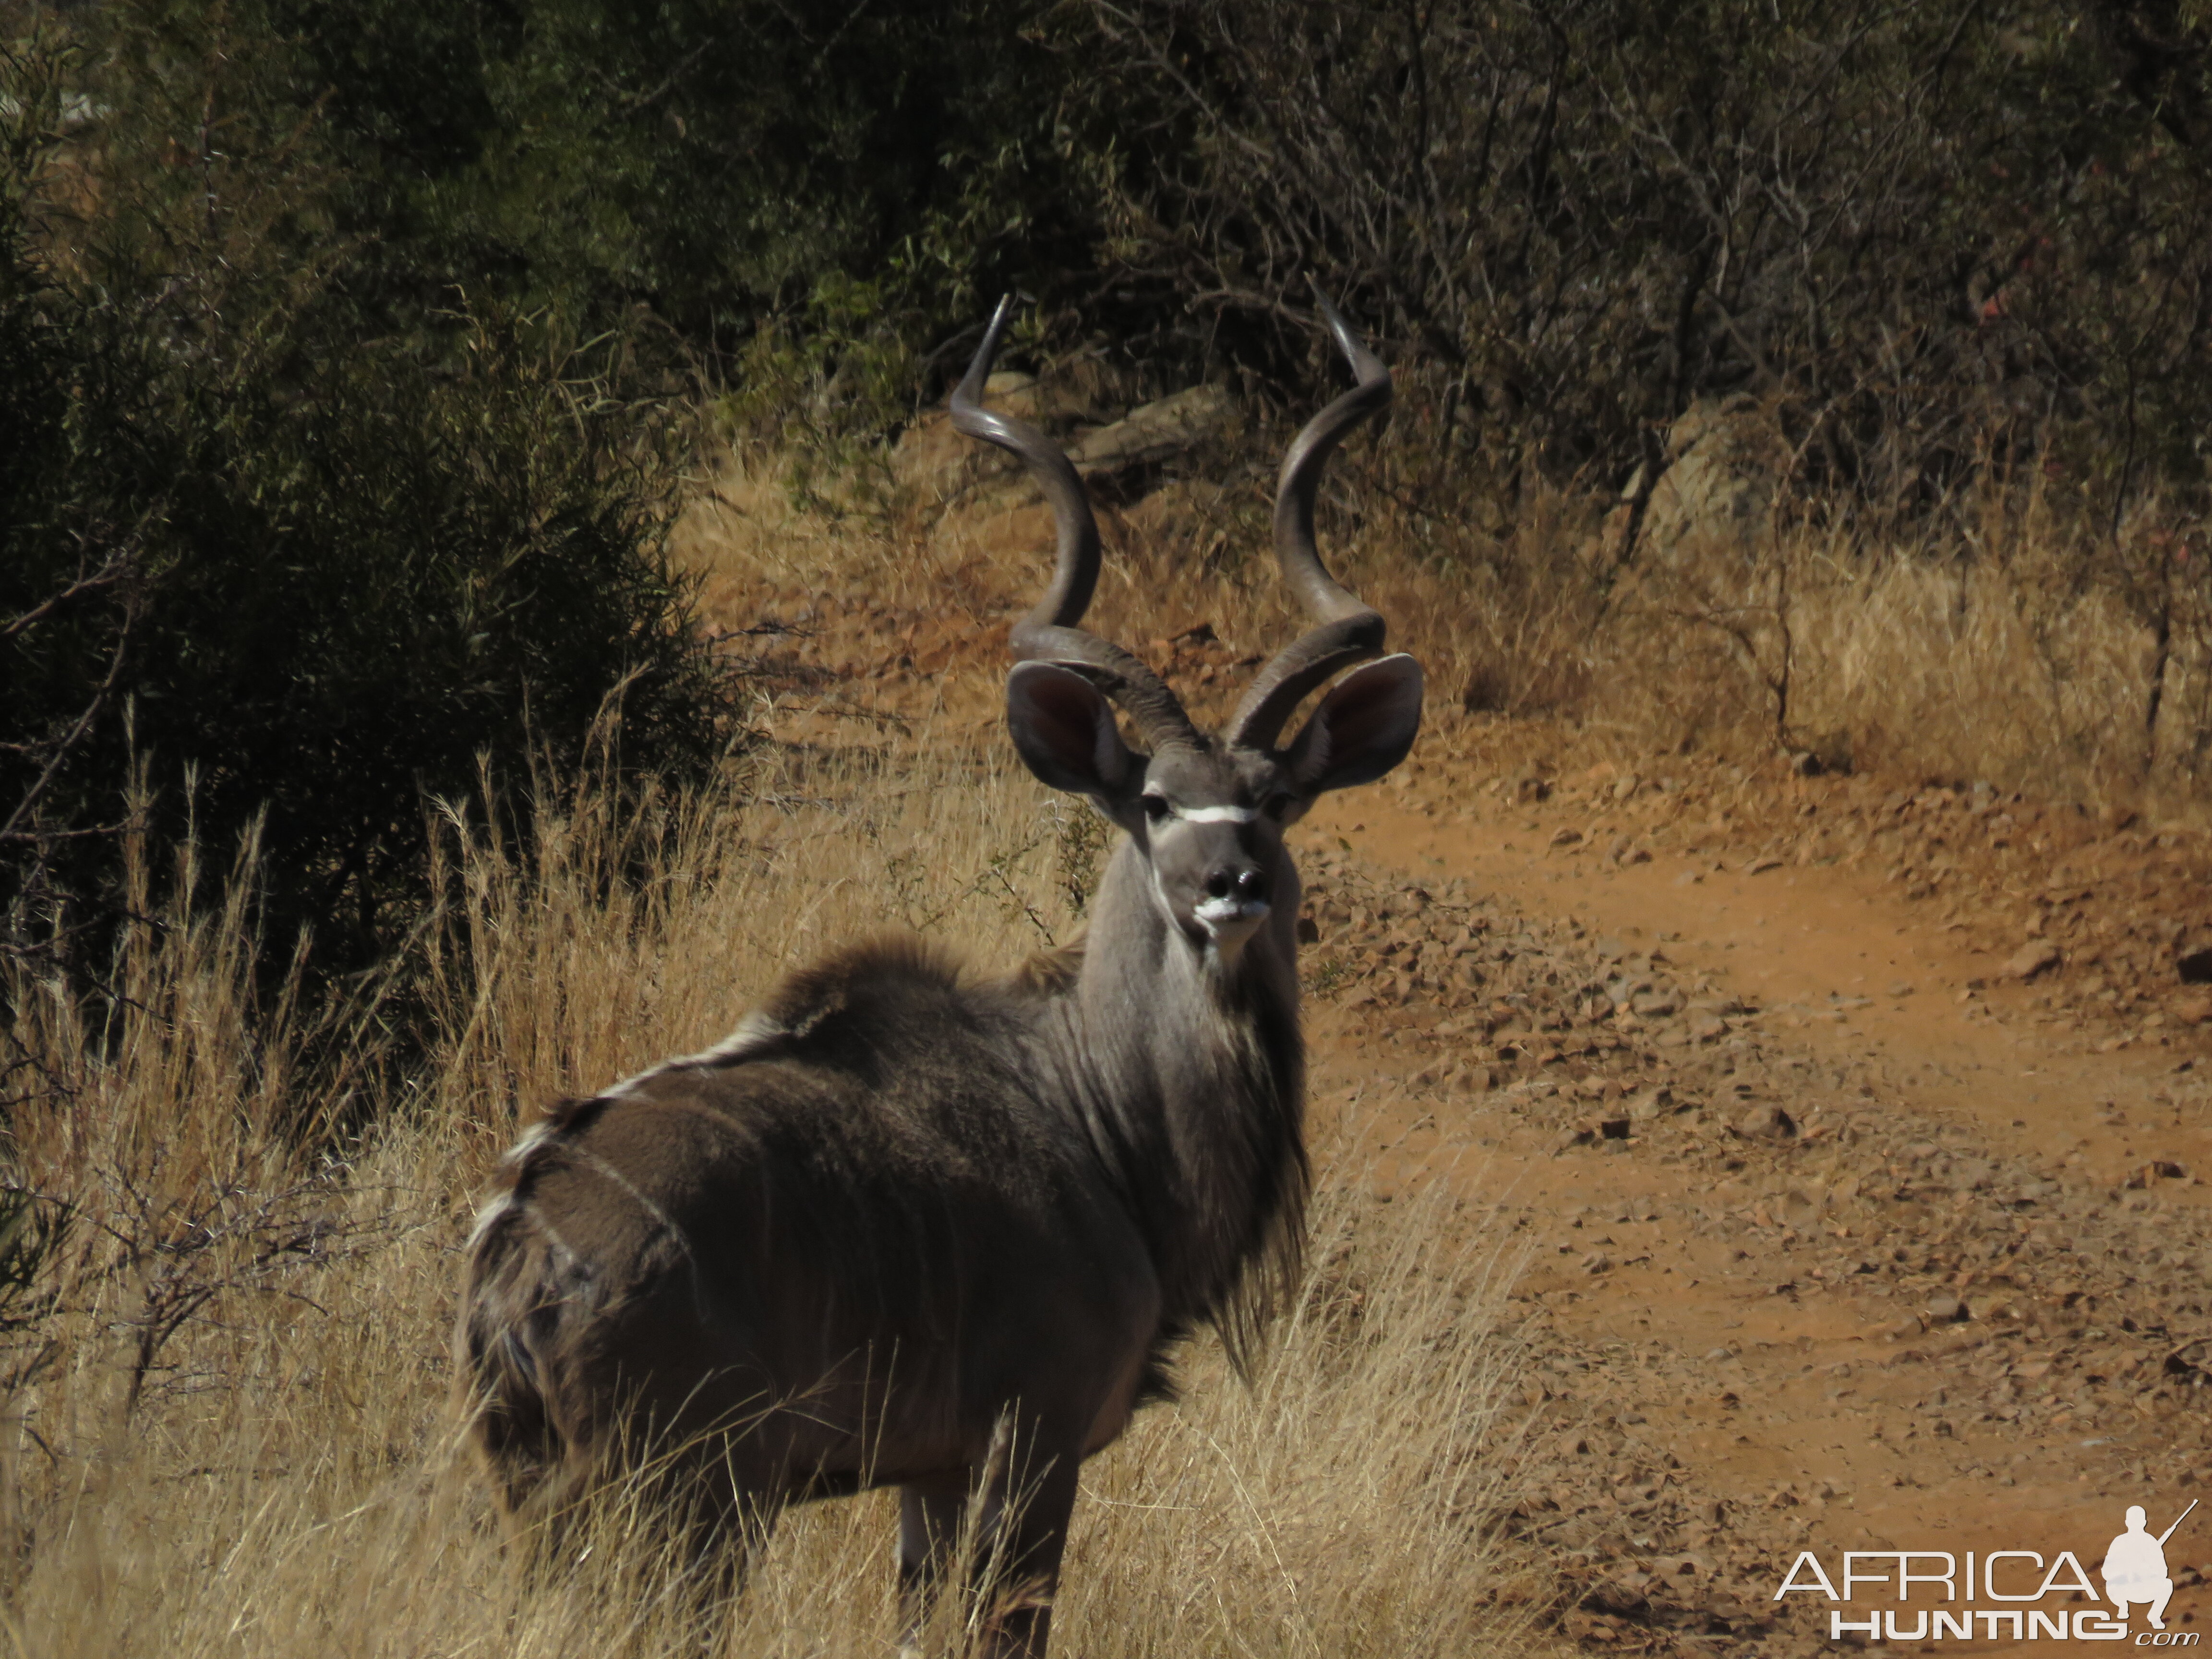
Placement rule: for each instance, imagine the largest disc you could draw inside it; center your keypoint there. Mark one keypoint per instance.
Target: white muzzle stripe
(1214, 814)
(1217, 913)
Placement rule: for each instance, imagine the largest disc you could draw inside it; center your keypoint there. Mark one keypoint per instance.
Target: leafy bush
(255, 566)
(714, 163)
(1938, 242)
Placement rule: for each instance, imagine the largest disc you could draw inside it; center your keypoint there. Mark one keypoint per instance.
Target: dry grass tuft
(228, 1420)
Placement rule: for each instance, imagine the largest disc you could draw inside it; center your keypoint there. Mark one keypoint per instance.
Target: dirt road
(1844, 1237)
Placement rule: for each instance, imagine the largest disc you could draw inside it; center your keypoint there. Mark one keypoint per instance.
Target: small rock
(1619, 1600)
(2030, 960)
(1946, 1307)
(1623, 787)
(1761, 867)
(2193, 1011)
(1766, 1123)
(2156, 1170)
(1898, 987)
(1566, 837)
(1651, 1103)
(1706, 1027)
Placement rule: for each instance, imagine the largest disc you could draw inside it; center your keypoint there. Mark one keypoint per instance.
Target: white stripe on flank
(532, 1138)
(661, 1217)
(490, 1212)
(1214, 814)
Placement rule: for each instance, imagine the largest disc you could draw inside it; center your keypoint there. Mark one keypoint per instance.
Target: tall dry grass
(2040, 658)
(227, 1419)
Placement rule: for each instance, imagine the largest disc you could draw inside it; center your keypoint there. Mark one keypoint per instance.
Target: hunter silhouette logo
(2133, 1571)
(2134, 1567)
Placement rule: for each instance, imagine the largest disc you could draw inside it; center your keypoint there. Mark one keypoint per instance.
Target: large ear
(1064, 728)
(1362, 729)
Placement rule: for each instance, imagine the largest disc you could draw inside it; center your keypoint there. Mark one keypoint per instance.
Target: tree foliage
(336, 344)
(712, 162)
(257, 569)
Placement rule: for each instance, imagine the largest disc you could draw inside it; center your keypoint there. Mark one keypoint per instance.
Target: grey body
(911, 1227)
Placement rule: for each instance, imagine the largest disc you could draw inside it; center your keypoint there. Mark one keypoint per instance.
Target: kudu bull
(907, 1227)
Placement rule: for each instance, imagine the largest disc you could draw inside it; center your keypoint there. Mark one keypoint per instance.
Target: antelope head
(1205, 811)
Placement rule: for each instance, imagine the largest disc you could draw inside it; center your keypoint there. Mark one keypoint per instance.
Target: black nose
(1243, 882)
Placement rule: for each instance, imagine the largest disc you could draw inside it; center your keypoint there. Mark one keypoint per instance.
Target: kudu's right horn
(1049, 632)
(1349, 631)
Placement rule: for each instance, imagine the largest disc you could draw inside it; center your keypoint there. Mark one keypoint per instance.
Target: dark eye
(1278, 805)
(1156, 807)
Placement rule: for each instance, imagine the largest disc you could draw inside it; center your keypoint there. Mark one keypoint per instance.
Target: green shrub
(277, 571)
(710, 163)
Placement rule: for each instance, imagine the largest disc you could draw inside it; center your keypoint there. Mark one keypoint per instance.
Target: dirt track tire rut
(1778, 1297)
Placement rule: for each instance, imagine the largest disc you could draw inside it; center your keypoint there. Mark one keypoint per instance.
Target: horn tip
(970, 391)
(1347, 342)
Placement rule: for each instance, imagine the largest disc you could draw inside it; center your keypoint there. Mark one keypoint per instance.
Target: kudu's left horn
(1350, 631)
(1048, 633)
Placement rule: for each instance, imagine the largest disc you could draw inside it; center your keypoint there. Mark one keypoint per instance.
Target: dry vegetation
(2002, 640)
(2033, 663)
(225, 1308)
(227, 1423)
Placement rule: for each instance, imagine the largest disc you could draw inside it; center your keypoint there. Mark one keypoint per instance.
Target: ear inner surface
(1363, 729)
(1063, 727)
